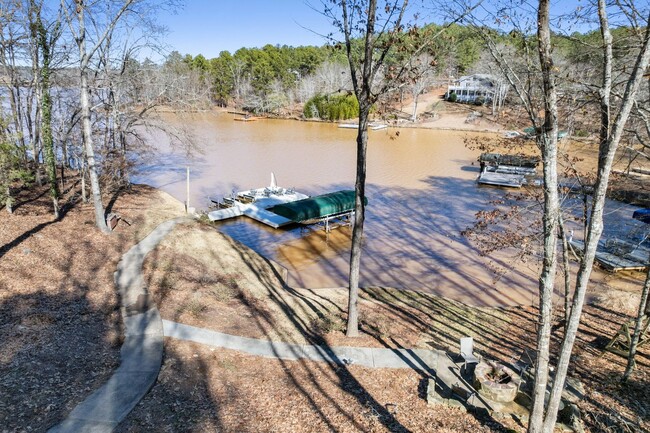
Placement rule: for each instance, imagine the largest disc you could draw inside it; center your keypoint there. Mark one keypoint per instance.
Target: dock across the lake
(507, 170)
(618, 255)
(501, 179)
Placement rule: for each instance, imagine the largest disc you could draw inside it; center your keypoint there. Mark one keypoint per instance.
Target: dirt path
(435, 113)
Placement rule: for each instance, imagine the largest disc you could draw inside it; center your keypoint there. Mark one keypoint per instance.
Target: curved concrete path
(417, 359)
(141, 353)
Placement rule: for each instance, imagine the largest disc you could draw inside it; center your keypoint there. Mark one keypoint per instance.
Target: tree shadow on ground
(60, 324)
(57, 347)
(342, 377)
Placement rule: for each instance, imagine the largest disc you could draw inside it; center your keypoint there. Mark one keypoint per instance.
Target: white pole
(187, 203)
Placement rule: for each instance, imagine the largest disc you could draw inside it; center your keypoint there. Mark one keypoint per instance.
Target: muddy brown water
(421, 189)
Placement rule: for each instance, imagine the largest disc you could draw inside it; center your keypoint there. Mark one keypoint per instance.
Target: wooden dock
(507, 170)
(501, 179)
(617, 255)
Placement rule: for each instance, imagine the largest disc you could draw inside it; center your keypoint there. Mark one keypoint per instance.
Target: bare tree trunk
(100, 220)
(84, 194)
(90, 155)
(548, 144)
(9, 200)
(414, 117)
(33, 125)
(567, 273)
(16, 108)
(363, 93)
(352, 329)
(610, 137)
(643, 304)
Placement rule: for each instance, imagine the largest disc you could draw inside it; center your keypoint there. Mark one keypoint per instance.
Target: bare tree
(13, 53)
(76, 18)
(332, 77)
(615, 107)
(379, 29)
(379, 43)
(643, 312)
(422, 76)
(91, 40)
(612, 126)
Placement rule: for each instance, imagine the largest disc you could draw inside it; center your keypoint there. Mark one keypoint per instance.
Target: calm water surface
(421, 191)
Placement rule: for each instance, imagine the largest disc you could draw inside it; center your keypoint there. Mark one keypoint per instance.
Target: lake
(421, 187)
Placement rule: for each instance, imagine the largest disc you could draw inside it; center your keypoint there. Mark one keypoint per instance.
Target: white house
(469, 88)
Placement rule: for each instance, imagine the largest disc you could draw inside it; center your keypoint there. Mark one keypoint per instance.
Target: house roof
(486, 80)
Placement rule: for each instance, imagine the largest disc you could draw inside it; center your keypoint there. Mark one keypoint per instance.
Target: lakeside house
(476, 88)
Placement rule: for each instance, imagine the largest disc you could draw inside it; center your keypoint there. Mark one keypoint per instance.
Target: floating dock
(254, 203)
(506, 170)
(501, 179)
(373, 126)
(618, 255)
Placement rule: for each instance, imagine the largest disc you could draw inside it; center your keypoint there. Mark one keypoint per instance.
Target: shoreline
(457, 122)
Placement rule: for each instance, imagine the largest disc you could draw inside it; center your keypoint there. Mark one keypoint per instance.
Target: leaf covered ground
(60, 327)
(61, 331)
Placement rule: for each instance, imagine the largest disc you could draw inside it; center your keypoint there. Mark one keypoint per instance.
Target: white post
(187, 203)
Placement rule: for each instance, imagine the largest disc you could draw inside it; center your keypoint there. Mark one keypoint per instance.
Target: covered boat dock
(324, 208)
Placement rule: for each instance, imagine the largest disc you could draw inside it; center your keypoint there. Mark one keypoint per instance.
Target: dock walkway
(254, 204)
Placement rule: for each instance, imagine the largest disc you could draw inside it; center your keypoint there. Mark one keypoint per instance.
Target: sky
(210, 26)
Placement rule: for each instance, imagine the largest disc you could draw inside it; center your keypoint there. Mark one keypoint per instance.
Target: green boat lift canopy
(317, 208)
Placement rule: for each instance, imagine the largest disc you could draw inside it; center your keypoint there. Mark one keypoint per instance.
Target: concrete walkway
(141, 353)
(417, 359)
(447, 385)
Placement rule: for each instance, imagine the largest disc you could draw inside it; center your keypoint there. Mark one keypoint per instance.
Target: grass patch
(326, 323)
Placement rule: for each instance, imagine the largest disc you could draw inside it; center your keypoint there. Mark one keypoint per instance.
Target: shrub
(332, 107)
(581, 133)
(452, 97)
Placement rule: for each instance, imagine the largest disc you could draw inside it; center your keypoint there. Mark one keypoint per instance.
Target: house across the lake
(477, 88)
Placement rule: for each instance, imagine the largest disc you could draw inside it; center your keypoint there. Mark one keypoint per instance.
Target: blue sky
(210, 26)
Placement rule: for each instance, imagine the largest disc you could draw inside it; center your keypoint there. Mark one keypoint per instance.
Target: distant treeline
(273, 78)
(52, 120)
(270, 78)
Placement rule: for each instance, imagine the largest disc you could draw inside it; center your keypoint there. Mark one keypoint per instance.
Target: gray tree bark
(362, 89)
(611, 132)
(567, 273)
(643, 305)
(100, 220)
(85, 56)
(548, 144)
(362, 85)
